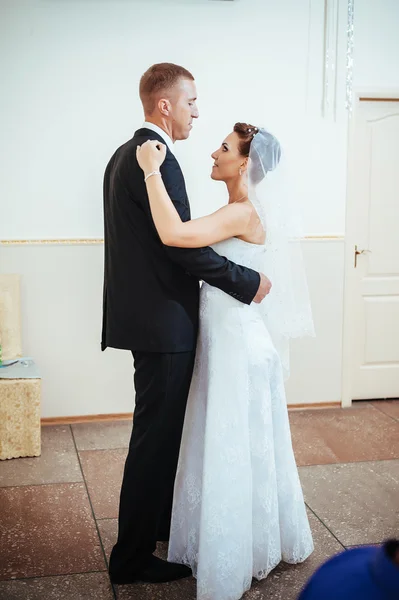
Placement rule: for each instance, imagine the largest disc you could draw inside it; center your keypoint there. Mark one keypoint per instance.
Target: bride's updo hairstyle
(246, 134)
(264, 153)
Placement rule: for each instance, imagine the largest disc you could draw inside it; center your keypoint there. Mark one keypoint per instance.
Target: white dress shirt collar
(160, 132)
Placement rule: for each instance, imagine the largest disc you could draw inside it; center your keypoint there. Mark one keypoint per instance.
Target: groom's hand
(264, 288)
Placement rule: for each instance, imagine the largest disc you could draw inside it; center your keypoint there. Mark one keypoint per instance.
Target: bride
(238, 507)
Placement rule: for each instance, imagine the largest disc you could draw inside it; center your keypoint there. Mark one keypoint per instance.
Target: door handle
(358, 253)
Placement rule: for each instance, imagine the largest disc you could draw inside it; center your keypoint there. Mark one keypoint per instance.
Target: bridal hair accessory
(286, 309)
(255, 130)
(265, 154)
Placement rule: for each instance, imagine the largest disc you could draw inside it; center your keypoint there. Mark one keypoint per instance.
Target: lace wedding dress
(238, 504)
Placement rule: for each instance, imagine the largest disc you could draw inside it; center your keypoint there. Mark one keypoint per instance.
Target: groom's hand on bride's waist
(264, 288)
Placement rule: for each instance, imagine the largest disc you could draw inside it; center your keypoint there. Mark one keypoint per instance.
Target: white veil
(287, 309)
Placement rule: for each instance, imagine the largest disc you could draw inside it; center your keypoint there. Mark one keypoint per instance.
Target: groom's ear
(164, 106)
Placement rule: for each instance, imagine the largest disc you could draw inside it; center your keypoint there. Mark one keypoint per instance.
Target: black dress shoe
(156, 571)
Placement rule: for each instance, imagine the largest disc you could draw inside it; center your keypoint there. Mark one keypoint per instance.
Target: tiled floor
(58, 512)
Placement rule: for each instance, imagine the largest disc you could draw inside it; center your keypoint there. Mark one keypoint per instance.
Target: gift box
(20, 383)
(20, 394)
(19, 418)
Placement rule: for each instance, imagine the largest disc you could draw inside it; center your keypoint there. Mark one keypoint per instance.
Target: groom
(151, 297)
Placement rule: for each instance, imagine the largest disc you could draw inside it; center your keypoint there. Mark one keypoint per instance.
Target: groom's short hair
(158, 78)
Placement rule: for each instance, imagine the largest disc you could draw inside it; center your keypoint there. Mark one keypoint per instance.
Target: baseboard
(313, 405)
(85, 419)
(123, 416)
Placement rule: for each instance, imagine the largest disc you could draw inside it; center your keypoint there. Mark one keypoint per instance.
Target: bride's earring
(240, 171)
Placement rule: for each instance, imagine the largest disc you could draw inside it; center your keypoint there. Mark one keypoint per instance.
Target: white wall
(61, 290)
(376, 45)
(69, 78)
(70, 97)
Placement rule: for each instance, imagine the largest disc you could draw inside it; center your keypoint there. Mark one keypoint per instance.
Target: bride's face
(227, 160)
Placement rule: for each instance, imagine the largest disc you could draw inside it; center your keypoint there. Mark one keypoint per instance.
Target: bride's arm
(230, 221)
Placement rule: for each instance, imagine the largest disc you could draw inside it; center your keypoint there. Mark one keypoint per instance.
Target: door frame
(361, 95)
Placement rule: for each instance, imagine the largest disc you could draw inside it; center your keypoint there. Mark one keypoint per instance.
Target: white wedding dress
(238, 506)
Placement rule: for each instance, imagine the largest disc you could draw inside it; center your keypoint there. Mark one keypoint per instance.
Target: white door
(371, 322)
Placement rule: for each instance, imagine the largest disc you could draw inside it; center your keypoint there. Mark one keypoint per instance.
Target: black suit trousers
(162, 382)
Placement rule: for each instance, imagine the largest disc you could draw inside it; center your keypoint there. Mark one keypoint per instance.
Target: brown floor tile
(64, 587)
(103, 471)
(102, 436)
(108, 531)
(47, 530)
(58, 462)
(389, 407)
(358, 502)
(356, 434)
(286, 581)
(185, 589)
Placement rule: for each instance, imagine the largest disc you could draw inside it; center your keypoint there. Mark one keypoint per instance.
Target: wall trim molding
(99, 241)
(123, 416)
(59, 242)
(324, 238)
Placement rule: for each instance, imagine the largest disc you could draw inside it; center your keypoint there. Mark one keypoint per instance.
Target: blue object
(367, 573)
(21, 368)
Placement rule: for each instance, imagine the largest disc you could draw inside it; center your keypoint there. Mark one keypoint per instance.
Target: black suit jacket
(151, 291)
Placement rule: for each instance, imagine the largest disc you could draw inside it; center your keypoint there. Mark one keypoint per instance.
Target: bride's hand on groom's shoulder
(151, 155)
(264, 288)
